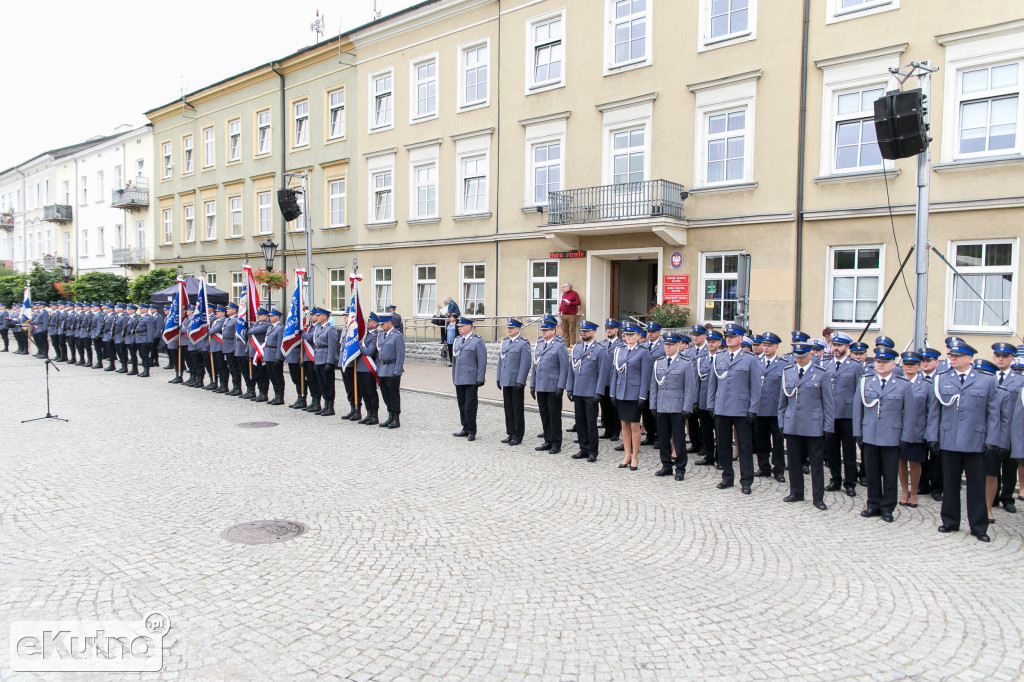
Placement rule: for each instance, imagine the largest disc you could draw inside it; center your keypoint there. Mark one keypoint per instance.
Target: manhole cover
(264, 532)
(256, 425)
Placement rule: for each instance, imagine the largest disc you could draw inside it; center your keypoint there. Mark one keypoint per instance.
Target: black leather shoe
(396, 423)
(592, 459)
(680, 475)
(515, 441)
(781, 478)
(236, 392)
(540, 435)
(937, 496)
(554, 450)
(887, 517)
(663, 471)
(605, 436)
(545, 446)
(722, 485)
(820, 505)
(619, 448)
(278, 400)
(833, 485)
(868, 513)
(862, 482)
(982, 537)
(705, 461)
(948, 529)
(506, 439)
(579, 455)
(371, 420)
(460, 434)
(745, 489)
(793, 498)
(1010, 507)
(806, 469)
(649, 441)
(763, 474)
(692, 449)
(851, 491)
(175, 380)
(571, 429)
(471, 436)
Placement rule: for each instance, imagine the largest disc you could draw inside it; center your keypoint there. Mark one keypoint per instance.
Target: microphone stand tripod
(48, 415)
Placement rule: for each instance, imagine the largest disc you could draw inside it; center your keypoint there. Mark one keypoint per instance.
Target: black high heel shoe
(632, 468)
(623, 466)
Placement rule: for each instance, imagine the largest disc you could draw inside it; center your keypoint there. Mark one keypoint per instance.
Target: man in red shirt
(569, 308)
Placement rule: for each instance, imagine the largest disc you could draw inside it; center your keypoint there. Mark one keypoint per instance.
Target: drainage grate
(264, 532)
(256, 425)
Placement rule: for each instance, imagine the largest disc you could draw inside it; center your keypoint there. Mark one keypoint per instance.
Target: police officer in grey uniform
(232, 372)
(364, 377)
(70, 325)
(806, 415)
(696, 351)
(324, 338)
(96, 334)
(589, 374)
(514, 361)
(258, 333)
(52, 325)
(610, 415)
(109, 318)
(145, 336)
(734, 390)
(768, 440)
(242, 366)
(547, 382)
(673, 393)
(390, 366)
(396, 319)
(840, 448)
(884, 403)
(5, 325)
(217, 349)
(648, 415)
(274, 358)
(130, 327)
(963, 425)
(40, 328)
(1009, 383)
(157, 313)
(469, 372)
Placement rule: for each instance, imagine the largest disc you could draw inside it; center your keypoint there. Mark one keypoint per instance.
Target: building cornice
(473, 133)
(413, 19)
(380, 152)
(546, 118)
(425, 143)
(726, 80)
(628, 102)
(865, 56)
(947, 39)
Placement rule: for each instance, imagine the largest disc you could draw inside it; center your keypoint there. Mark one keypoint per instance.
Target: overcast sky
(74, 69)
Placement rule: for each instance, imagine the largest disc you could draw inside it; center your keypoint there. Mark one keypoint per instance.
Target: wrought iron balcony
(57, 213)
(626, 201)
(6, 221)
(51, 263)
(131, 198)
(129, 258)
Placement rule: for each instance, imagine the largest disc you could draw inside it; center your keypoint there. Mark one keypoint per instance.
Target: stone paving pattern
(429, 557)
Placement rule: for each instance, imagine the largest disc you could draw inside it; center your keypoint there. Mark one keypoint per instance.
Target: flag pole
(209, 323)
(355, 368)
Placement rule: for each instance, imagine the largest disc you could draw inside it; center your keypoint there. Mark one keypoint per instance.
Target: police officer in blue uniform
(610, 415)
(734, 390)
(5, 325)
(806, 415)
(514, 361)
(768, 441)
(547, 382)
(963, 425)
(469, 372)
(931, 470)
(845, 373)
(108, 335)
(696, 351)
(587, 383)
(274, 358)
(912, 455)
(324, 338)
(1001, 491)
(655, 345)
(673, 394)
(217, 349)
(630, 387)
(364, 377)
(390, 366)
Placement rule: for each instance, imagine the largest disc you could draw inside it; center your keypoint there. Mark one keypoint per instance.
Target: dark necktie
(838, 364)
(670, 366)
(1002, 375)
(883, 384)
(800, 374)
(962, 379)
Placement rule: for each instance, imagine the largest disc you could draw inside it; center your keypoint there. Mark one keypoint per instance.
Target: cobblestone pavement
(429, 557)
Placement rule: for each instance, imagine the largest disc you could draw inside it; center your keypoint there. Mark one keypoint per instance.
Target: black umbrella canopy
(213, 294)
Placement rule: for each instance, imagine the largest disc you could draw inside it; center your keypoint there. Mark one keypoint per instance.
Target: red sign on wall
(676, 290)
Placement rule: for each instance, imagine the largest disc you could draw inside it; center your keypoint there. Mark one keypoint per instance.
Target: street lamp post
(65, 270)
(269, 251)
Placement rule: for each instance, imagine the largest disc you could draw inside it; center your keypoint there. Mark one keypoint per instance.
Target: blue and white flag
(26, 303)
(355, 328)
(172, 325)
(242, 326)
(200, 320)
(296, 313)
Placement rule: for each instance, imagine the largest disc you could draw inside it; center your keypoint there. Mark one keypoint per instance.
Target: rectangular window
(168, 163)
(336, 114)
(65, 192)
(546, 42)
(237, 283)
(140, 234)
(234, 140)
(118, 180)
(209, 147)
(381, 289)
(544, 287)
(210, 211)
(854, 285)
(629, 32)
(985, 293)
(474, 178)
(301, 123)
(186, 154)
(847, 6)
(547, 170)
(188, 224)
(726, 146)
(85, 189)
(85, 242)
(235, 210)
(719, 275)
(729, 18)
(263, 132)
(426, 191)
(140, 167)
(211, 278)
(473, 284)
(99, 186)
(989, 109)
(474, 75)
(337, 198)
(118, 236)
(855, 143)
(426, 289)
(425, 88)
(336, 289)
(67, 246)
(382, 195)
(628, 161)
(99, 242)
(263, 202)
(168, 226)
(383, 90)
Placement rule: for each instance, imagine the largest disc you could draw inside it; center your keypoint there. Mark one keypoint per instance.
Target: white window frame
(1013, 270)
(533, 46)
(831, 273)
(84, 194)
(425, 281)
(708, 138)
(543, 281)
(475, 147)
(610, 65)
(140, 234)
(264, 213)
(168, 223)
(382, 188)
(336, 191)
(547, 130)
(168, 160)
(100, 246)
(118, 182)
(118, 237)
(209, 147)
(617, 120)
(234, 140)
(300, 123)
(534, 167)
(382, 284)
(377, 165)
(188, 224)
(713, 99)
(335, 281)
(211, 278)
(474, 172)
(465, 282)
(416, 83)
(702, 266)
(187, 155)
(99, 188)
(989, 96)
(237, 283)
(419, 206)
(628, 152)
(210, 219)
(264, 142)
(386, 95)
(834, 11)
(235, 209)
(336, 113)
(85, 243)
(863, 116)
(706, 42)
(465, 104)
(65, 192)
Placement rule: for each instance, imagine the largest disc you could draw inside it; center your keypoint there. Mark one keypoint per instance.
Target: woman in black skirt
(631, 381)
(914, 454)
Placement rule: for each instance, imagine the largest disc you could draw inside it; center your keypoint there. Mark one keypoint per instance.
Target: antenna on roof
(376, 12)
(185, 106)
(318, 25)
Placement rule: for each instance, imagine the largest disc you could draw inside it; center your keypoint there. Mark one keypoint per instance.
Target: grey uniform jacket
(108, 327)
(734, 386)
(963, 418)
(806, 407)
(703, 368)
(922, 387)
(96, 326)
(1017, 426)
(129, 328)
(84, 325)
(844, 384)
(673, 388)
(396, 322)
(41, 321)
(368, 347)
(1006, 394)
(879, 414)
(227, 344)
(324, 339)
(514, 362)
(656, 349)
(272, 349)
(145, 330)
(630, 373)
(241, 340)
(5, 320)
(589, 371)
(550, 366)
(54, 322)
(390, 353)
(771, 380)
(119, 322)
(258, 331)
(469, 360)
(217, 329)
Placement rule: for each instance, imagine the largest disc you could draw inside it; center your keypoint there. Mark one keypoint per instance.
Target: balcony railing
(129, 258)
(626, 201)
(57, 213)
(6, 221)
(130, 198)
